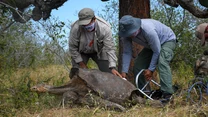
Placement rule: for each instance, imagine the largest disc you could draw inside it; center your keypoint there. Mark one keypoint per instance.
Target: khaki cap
(85, 16)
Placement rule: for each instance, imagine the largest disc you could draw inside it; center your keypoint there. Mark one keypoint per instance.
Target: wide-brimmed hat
(85, 16)
(128, 25)
(200, 34)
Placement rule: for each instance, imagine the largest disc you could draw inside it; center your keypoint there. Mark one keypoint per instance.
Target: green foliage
(15, 95)
(5, 16)
(23, 45)
(183, 24)
(183, 74)
(54, 42)
(19, 48)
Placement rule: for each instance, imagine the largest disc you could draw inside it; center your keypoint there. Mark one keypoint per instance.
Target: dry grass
(136, 111)
(57, 75)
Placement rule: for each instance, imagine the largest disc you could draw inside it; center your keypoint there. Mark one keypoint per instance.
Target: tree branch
(189, 6)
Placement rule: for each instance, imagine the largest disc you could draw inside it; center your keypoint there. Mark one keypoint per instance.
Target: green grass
(17, 100)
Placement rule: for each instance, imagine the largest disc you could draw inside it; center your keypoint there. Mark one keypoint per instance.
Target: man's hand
(115, 72)
(148, 74)
(123, 74)
(82, 65)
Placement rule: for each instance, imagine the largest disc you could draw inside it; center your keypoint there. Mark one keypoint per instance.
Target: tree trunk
(136, 8)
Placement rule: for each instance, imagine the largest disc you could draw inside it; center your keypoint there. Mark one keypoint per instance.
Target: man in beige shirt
(91, 37)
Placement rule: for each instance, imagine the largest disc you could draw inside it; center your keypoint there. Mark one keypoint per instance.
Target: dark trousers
(103, 65)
